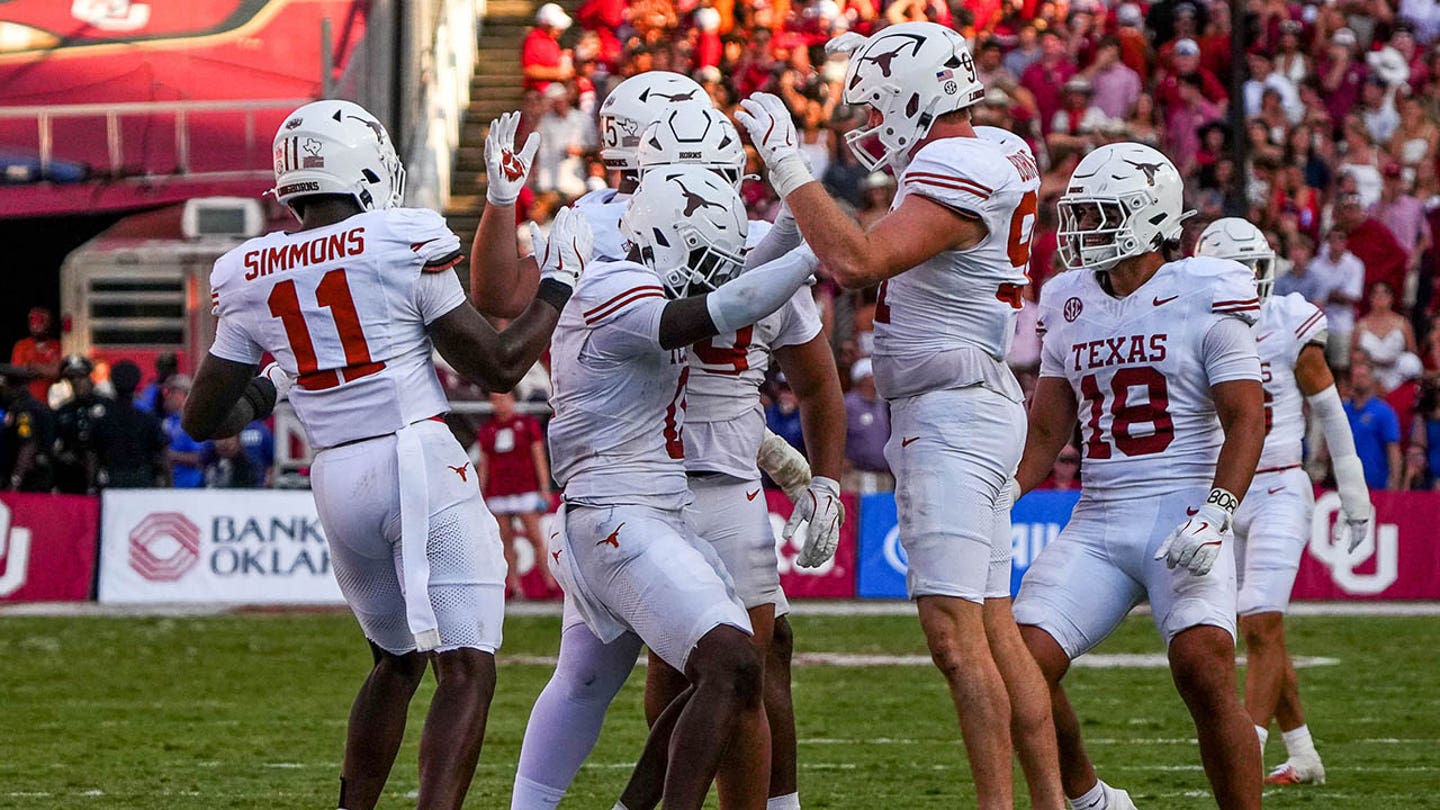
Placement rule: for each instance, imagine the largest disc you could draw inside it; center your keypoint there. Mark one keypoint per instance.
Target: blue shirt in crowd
(786, 426)
(185, 475)
(1375, 426)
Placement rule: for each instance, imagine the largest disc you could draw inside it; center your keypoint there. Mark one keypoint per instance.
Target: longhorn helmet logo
(1150, 170)
(884, 60)
(694, 202)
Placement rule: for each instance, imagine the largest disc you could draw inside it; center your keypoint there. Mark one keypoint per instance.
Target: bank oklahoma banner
(1400, 559)
(47, 547)
(236, 546)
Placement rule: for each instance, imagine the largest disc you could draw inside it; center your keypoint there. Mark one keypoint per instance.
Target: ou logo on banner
(1382, 543)
(14, 552)
(785, 552)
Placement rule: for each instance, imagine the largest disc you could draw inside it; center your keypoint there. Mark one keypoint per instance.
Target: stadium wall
(267, 547)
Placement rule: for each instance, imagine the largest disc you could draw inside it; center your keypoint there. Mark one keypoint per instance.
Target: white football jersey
(1287, 324)
(724, 423)
(619, 397)
(1141, 369)
(344, 309)
(602, 209)
(959, 298)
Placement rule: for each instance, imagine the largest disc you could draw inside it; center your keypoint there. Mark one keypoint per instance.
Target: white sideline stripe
(1091, 661)
(522, 608)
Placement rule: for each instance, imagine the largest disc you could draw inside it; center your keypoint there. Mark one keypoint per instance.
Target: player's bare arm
(857, 258)
(1240, 404)
(497, 360)
(225, 398)
(1052, 421)
(501, 283)
(810, 368)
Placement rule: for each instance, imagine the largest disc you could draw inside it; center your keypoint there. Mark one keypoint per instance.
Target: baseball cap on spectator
(552, 15)
(863, 368)
(1343, 37)
(1078, 84)
(1185, 10)
(709, 75)
(707, 19)
(76, 365)
(997, 97)
(1129, 15)
(1291, 27)
(1187, 47)
(555, 90)
(1389, 65)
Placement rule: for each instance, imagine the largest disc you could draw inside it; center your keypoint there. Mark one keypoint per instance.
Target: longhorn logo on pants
(14, 554)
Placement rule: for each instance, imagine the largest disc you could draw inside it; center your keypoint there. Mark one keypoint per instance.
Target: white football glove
(568, 249)
(785, 465)
(820, 505)
(282, 381)
(1196, 543)
(846, 43)
(772, 131)
(505, 168)
(1353, 526)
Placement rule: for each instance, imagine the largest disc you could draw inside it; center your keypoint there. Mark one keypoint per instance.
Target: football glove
(506, 169)
(1353, 526)
(279, 379)
(821, 507)
(772, 131)
(563, 255)
(1196, 543)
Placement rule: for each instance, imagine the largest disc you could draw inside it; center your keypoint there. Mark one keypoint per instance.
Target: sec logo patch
(1073, 308)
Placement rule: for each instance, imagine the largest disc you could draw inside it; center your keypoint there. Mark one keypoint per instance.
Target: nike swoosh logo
(1158, 301)
(750, 496)
(909, 441)
(1191, 511)
(1262, 337)
(1274, 490)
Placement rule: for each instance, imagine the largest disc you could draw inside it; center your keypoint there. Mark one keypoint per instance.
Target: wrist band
(553, 292)
(1223, 499)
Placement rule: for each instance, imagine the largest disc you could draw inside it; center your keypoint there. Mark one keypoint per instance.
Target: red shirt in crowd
(1045, 83)
(539, 49)
(31, 352)
(1384, 259)
(509, 450)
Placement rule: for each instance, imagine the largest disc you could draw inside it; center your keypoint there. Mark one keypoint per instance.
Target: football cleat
(1298, 771)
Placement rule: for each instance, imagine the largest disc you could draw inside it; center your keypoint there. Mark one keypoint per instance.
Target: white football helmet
(1123, 200)
(337, 147)
(909, 74)
(693, 133)
(689, 226)
(635, 104)
(1238, 239)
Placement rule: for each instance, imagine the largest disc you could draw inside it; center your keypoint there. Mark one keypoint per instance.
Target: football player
(1156, 358)
(631, 565)
(351, 306)
(567, 717)
(1272, 526)
(950, 259)
(725, 433)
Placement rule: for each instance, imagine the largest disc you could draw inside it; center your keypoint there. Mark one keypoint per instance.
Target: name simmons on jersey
(279, 258)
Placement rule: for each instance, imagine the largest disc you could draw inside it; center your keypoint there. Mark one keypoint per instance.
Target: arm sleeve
(783, 237)
(758, 293)
(800, 321)
(234, 344)
(1228, 352)
(437, 294)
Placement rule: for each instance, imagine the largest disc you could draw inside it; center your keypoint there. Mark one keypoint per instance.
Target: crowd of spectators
(1341, 103)
(72, 427)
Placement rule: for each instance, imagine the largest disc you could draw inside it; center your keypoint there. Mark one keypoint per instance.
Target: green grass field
(248, 711)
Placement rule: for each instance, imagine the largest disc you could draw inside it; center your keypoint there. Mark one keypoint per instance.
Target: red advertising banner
(834, 580)
(47, 547)
(1399, 560)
